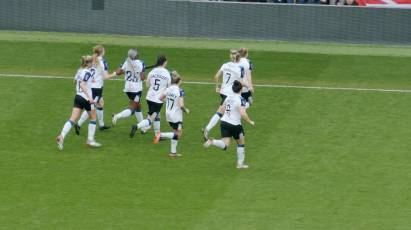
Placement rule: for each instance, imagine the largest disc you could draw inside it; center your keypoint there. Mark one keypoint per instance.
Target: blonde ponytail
(86, 61)
(235, 56)
(243, 52)
(97, 51)
(175, 77)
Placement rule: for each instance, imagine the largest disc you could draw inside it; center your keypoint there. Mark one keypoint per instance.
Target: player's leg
(137, 107)
(173, 136)
(127, 112)
(123, 114)
(174, 142)
(75, 113)
(223, 143)
(226, 134)
(145, 123)
(239, 137)
(100, 113)
(156, 124)
(83, 118)
(214, 119)
(168, 135)
(78, 106)
(92, 128)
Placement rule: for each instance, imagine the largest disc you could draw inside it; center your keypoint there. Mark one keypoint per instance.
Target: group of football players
(163, 87)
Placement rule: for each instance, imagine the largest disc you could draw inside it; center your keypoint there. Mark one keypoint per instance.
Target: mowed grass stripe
(204, 43)
(257, 85)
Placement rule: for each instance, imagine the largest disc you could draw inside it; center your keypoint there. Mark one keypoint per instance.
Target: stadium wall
(210, 20)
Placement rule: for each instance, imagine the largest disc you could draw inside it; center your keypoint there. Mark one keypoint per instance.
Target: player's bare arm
(83, 86)
(244, 115)
(183, 108)
(119, 71)
(250, 81)
(216, 77)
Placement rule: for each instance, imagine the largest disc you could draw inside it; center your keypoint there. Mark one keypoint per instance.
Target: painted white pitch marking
(257, 85)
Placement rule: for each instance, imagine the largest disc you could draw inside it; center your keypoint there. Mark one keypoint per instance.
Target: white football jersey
(231, 72)
(84, 75)
(173, 108)
(232, 109)
(132, 75)
(248, 67)
(98, 79)
(159, 79)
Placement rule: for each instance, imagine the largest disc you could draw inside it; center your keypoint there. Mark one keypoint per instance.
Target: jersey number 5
(228, 109)
(156, 84)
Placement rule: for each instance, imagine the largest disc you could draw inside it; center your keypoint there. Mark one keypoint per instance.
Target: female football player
(99, 74)
(133, 70)
(82, 101)
(157, 80)
(174, 97)
(230, 71)
(247, 92)
(233, 109)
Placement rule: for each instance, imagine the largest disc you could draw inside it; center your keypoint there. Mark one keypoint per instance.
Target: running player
(247, 92)
(231, 71)
(234, 110)
(82, 100)
(133, 70)
(158, 80)
(99, 74)
(174, 97)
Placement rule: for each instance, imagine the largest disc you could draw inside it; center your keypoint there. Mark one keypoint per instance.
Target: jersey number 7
(170, 103)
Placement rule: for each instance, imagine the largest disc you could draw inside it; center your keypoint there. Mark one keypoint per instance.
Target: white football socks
(66, 128)
(156, 126)
(100, 116)
(218, 143)
(144, 123)
(213, 122)
(168, 135)
(91, 130)
(240, 155)
(83, 118)
(139, 116)
(123, 114)
(174, 146)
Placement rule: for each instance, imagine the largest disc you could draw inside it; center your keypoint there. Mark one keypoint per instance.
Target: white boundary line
(257, 85)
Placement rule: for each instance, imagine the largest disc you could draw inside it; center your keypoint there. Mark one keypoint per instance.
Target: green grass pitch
(319, 159)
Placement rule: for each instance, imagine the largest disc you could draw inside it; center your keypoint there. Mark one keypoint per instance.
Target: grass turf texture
(319, 159)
